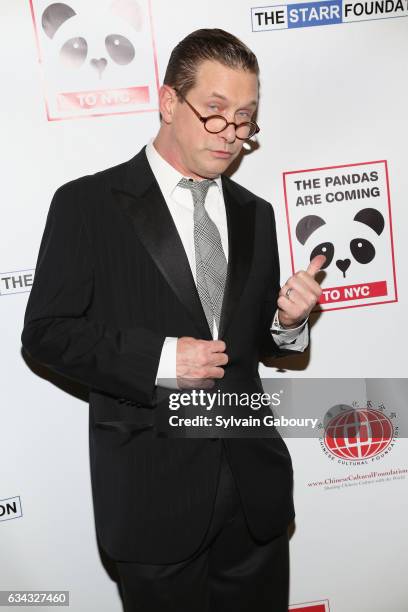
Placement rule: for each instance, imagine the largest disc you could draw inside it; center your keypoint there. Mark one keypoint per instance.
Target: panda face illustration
(358, 248)
(98, 43)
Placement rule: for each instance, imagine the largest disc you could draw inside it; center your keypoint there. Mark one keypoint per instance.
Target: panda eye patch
(74, 51)
(362, 250)
(120, 49)
(326, 249)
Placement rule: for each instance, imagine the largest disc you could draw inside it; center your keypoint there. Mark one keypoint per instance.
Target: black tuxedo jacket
(112, 281)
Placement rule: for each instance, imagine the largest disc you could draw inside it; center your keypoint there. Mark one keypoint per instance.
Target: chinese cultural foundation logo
(354, 436)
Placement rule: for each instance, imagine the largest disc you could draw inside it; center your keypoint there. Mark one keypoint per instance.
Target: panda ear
(371, 217)
(54, 16)
(129, 10)
(307, 226)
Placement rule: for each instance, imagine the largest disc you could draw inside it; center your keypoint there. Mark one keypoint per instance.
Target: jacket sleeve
(58, 331)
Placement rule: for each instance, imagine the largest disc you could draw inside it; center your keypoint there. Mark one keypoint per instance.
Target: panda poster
(344, 213)
(97, 57)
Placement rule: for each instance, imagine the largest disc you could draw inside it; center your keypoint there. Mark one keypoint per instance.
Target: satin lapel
(240, 209)
(157, 232)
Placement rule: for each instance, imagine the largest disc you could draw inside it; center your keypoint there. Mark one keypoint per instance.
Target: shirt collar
(166, 175)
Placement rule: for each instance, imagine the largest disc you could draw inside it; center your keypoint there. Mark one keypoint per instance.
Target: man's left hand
(300, 294)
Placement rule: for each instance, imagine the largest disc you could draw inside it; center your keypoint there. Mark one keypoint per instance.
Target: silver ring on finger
(288, 292)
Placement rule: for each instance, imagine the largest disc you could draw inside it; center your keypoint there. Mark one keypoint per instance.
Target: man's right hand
(199, 362)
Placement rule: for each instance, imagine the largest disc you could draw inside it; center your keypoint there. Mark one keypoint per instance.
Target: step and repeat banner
(79, 82)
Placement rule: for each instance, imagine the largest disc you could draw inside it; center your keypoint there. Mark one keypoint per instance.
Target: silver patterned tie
(211, 263)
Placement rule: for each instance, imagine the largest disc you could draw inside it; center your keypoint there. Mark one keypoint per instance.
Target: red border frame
(380, 161)
(73, 117)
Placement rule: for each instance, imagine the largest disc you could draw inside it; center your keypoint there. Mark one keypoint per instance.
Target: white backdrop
(331, 95)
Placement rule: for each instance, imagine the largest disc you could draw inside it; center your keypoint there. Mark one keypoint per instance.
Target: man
(144, 274)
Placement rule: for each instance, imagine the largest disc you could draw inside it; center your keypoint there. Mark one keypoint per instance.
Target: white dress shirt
(181, 207)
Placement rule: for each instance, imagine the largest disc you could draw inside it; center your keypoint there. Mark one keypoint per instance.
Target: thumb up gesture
(299, 294)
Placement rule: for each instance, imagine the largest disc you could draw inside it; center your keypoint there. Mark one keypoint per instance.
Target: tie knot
(199, 189)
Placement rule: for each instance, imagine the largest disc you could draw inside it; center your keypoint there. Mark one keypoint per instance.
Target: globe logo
(358, 434)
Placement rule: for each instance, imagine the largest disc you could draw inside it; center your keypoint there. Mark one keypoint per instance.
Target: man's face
(219, 90)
